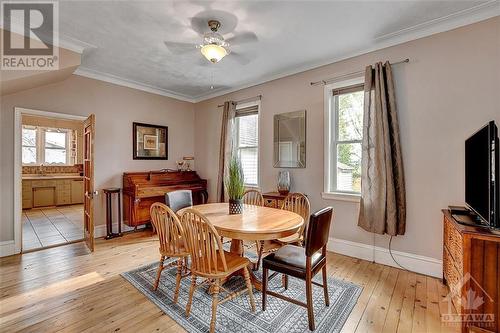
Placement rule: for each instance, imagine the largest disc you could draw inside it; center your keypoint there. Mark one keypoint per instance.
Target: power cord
(392, 256)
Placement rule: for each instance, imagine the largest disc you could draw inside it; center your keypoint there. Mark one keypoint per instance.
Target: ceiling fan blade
(240, 58)
(180, 48)
(242, 38)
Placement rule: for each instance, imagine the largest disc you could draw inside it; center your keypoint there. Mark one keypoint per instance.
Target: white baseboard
(413, 262)
(7, 248)
(100, 230)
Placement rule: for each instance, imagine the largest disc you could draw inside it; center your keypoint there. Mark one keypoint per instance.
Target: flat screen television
(481, 175)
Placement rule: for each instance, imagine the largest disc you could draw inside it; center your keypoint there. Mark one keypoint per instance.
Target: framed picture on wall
(150, 142)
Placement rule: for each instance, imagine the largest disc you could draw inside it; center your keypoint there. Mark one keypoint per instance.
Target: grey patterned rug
(236, 316)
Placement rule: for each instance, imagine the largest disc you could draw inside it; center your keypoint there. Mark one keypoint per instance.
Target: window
(55, 147)
(29, 145)
(45, 146)
(345, 127)
(247, 141)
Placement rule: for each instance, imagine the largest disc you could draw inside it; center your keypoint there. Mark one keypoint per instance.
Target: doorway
(51, 202)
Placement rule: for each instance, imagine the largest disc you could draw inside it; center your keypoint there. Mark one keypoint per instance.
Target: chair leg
(191, 292)
(246, 274)
(178, 279)
(284, 281)
(310, 312)
(158, 274)
(325, 286)
(264, 288)
(260, 249)
(186, 264)
(215, 301)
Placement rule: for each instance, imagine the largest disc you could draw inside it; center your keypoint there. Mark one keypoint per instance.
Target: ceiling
(124, 40)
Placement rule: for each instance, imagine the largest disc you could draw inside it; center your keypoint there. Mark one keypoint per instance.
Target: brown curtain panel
(383, 199)
(226, 146)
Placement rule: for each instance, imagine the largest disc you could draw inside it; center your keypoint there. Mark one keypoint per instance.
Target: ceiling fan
(214, 46)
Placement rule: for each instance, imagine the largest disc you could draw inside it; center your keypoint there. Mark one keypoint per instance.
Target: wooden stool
(109, 213)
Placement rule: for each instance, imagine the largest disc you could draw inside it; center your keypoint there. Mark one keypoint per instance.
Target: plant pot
(235, 206)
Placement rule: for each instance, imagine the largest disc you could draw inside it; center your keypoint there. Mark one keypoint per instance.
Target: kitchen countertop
(50, 176)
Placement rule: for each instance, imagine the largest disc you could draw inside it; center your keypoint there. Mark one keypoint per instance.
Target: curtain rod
(332, 79)
(258, 97)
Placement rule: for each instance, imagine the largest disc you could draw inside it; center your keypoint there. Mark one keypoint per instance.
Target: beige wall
(448, 90)
(115, 108)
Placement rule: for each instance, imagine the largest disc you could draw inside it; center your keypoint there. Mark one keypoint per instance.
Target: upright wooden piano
(142, 189)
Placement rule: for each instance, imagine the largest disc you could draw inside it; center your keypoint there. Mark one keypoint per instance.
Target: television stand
(468, 219)
(471, 266)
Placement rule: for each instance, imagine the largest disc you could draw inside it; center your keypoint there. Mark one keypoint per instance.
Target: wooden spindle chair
(253, 197)
(211, 262)
(299, 204)
(294, 202)
(172, 242)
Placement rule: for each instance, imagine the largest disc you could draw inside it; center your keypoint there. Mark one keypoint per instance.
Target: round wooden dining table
(256, 223)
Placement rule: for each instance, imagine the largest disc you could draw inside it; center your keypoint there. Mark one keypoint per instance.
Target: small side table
(273, 199)
(109, 213)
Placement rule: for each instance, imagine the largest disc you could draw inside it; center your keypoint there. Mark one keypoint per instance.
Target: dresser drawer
(270, 203)
(452, 277)
(453, 240)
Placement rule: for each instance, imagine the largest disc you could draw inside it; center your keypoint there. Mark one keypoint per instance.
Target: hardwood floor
(66, 289)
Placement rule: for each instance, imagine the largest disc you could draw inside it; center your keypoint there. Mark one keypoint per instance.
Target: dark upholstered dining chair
(302, 262)
(177, 200)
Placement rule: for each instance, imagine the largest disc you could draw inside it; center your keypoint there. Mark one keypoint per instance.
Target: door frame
(18, 113)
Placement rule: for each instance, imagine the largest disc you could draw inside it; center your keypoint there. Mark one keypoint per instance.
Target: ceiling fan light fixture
(213, 52)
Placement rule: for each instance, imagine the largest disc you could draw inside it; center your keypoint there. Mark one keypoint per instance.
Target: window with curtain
(47, 146)
(247, 142)
(346, 134)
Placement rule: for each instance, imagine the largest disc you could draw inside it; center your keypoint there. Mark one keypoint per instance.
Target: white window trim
(40, 147)
(329, 146)
(242, 106)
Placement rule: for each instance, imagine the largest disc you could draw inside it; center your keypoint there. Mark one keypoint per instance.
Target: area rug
(236, 315)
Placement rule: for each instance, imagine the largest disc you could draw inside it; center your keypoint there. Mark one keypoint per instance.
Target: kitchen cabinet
(76, 191)
(40, 192)
(27, 194)
(43, 196)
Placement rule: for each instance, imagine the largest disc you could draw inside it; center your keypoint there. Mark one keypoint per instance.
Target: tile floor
(52, 226)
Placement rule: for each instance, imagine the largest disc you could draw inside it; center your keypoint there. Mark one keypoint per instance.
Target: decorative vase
(284, 182)
(235, 206)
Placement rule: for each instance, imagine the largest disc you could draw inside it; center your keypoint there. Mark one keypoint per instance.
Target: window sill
(339, 196)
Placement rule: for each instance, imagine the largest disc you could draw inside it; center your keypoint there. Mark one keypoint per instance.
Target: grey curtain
(383, 199)
(226, 146)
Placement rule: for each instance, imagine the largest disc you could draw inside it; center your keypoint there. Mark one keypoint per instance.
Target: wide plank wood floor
(67, 289)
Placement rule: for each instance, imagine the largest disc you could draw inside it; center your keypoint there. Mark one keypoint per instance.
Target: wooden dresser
(471, 269)
(142, 189)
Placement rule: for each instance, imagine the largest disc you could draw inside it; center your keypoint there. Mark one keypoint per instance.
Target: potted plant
(235, 186)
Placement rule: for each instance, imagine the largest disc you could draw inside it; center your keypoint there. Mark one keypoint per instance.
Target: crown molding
(455, 20)
(120, 81)
(73, 44)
